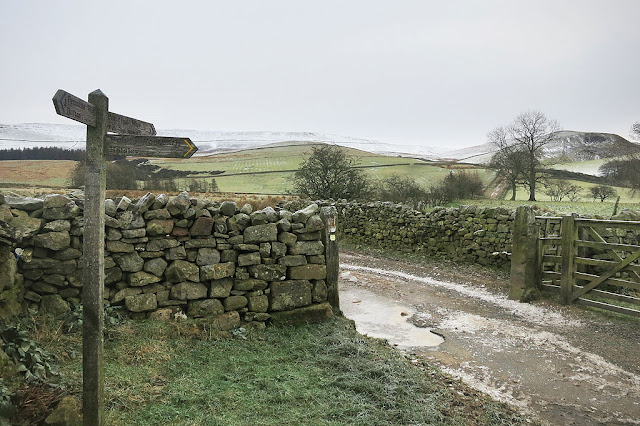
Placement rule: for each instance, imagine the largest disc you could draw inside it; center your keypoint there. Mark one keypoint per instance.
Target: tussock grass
(327, 374)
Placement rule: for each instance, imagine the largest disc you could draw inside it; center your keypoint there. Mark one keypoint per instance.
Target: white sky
(434, 73)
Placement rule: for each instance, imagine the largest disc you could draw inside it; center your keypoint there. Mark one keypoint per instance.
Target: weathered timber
(329, 217)
(598, 238)
(149, 146)
(70, 106)
(569, 235)
(93, 271)
(74, 108)
(130, 126)
(612, 281)
(609, 307)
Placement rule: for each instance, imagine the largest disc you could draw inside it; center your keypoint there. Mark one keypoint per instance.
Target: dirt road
(559, 364)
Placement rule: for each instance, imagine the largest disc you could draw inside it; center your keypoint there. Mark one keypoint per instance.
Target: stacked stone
(50, 231)
(472, 234)
(205, 258)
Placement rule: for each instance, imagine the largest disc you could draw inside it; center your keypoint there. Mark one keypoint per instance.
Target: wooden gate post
(329, 216)
(93, 270)
(525, 269)
(569, 236)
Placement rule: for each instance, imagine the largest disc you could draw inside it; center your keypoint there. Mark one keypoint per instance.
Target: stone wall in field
(470, 233)
(204, 258)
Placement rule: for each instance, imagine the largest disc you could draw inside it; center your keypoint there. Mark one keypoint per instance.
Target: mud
(558, 364)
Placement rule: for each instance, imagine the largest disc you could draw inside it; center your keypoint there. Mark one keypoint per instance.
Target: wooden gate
(591, 261)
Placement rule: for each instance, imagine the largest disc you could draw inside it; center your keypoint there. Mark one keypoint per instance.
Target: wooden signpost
(136, 139)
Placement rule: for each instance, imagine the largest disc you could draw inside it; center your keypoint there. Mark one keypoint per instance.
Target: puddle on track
(383, 318)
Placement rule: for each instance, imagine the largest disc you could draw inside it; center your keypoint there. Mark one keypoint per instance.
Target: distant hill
(568, 146)
(208, 141)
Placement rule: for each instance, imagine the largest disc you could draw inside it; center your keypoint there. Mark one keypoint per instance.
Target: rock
(221, 288)
(293, 260)
(311, 314)
(140, 279)
(200, 243)
(283, 225)
(129, 262)
(261, 233)
(124, 293)
(119, 247)
(160, 201)
(124, 204)
(44, 288)
(290, 294)
(238, 222)
(319, 292)
(246, 209)
(287, 238)
(141, 302)
(181, 270)
(307, 248)
(145, 202)
(268, 272)
(246, 259)
(301, 216)
(308, 272)
(68, 211)
(278, 249)
(188, 291)
(217, 271)
(110, 208)
(207, 256)
(155, 266)
(228, 208)
(53, 240)
(54, 305)
(57, 226)
(67, 254)
(179, 204)
(233, 303)
(258, 217)
(157, 227)
(24, 203)
(202, 308)
(258, 303)
(226, 321)
(202, 226)
(65, 414)
(314, 223)
(162, 244)
(250, 284)
(134, 233)
(25, 226)
(160, 214)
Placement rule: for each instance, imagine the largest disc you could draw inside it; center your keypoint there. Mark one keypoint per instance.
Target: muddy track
(558, 364)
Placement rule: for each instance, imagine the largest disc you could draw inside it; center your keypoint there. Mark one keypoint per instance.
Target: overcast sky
(433, 73)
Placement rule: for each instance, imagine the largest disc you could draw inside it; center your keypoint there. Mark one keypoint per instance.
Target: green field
(271, 169)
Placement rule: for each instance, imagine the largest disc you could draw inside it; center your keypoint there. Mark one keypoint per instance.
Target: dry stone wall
(205, 258)
(469, 233)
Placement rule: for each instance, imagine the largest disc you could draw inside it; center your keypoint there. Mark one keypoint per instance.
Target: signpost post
(137, 139)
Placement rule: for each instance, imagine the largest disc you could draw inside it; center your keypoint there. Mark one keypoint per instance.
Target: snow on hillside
(208, 141)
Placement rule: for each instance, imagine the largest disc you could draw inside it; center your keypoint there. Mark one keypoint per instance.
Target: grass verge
(328, 374)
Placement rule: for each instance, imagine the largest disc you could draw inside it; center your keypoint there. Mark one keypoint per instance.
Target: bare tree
(557, 190)
(509, 162)
(529, 133)
(602, 192)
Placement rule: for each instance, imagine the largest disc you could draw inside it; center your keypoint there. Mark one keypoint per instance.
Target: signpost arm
(93, 275)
